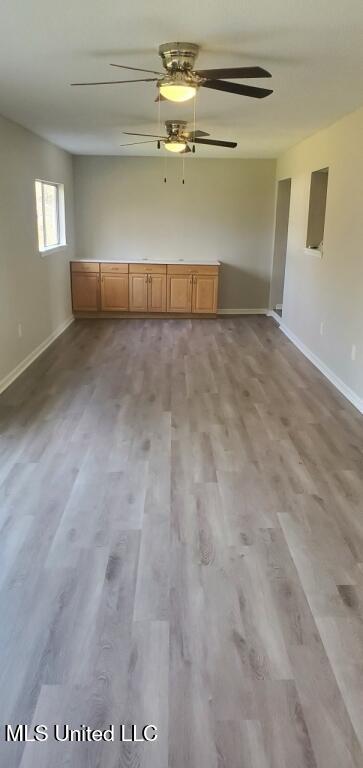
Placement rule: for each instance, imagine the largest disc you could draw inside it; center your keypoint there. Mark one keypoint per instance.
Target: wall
(225, 210)
(330, 290)
(34, 291)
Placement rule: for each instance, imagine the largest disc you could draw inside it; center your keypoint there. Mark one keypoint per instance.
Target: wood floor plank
(181, 543)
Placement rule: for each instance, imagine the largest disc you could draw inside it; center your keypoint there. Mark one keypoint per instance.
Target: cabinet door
(85, 291)
(179, 293)
(138, 293)
(156, 293)
(205, 288)
(114, 293)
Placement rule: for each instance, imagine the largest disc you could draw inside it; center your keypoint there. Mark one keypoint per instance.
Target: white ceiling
(313, 49)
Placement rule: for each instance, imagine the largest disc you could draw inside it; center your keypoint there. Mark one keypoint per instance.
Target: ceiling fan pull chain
(183, 177)
(195, 120)
(159, 114)
(194, 116)
(165, 168)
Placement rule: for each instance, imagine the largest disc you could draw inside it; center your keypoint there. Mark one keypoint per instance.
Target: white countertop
(186, 262)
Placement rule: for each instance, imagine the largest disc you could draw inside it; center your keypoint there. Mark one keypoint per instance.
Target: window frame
(40, 185)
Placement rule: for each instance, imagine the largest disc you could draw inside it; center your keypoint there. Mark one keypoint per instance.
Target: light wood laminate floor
(182, 544)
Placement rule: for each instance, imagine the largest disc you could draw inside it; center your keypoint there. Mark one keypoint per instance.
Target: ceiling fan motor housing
(178, 56)
(175, 127)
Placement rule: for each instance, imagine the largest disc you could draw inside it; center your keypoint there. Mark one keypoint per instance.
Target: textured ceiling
(313, 49)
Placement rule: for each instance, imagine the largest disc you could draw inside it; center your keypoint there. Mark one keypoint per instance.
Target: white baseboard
(333, 378)
(242, 311)
(272, 313)
(29, 359)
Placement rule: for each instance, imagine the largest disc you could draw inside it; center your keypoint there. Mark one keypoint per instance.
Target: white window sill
(51, 249)
(313, 252)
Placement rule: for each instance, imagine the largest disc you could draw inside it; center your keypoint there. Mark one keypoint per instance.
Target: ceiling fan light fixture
(178, 92)
(175, 145)
(177, 89)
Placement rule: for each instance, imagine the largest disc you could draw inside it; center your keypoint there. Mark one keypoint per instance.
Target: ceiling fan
(178, 138)
(181, 81)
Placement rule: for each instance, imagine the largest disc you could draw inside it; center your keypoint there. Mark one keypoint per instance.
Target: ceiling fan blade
(231, 72)
(215, 143)
(185, 151)
(151, 135)
(118, 82)
(132, 143)
(136, 69)
(241, 90)
(192, 134)
(160, 97)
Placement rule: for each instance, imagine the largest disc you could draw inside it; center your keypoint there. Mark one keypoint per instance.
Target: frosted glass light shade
(175, 146)
(177, 91)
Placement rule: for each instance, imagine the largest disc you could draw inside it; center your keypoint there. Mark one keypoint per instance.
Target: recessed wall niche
(317, 208)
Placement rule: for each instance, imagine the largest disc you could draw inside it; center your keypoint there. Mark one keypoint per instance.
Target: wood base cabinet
(192, 289)
(144, 288)
(180, 293)
(85, 287)
(138, 293)
(147, 287)
(156, 293)
(204, 297)
(114, 287)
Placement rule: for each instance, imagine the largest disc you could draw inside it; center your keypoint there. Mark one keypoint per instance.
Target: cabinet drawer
(179, 269)
(147, 269)
(192, 269)
(205, 270)
(114, 268)
(85, 266)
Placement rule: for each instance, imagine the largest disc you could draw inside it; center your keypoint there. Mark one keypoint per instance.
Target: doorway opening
(280, 246)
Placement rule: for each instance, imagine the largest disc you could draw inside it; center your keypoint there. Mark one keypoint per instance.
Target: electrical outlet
(353, 353)
(321, 328)
(20, 330)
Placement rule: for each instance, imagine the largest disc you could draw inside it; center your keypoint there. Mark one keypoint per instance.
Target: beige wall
(34, 291)
(225, 210)
(330, 290)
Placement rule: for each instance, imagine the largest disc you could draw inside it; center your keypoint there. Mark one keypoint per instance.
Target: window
(50, 214)
(317, 206)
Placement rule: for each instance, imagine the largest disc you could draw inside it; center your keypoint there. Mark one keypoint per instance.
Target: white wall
(330, 290)
(34, 291)
(225, 210)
